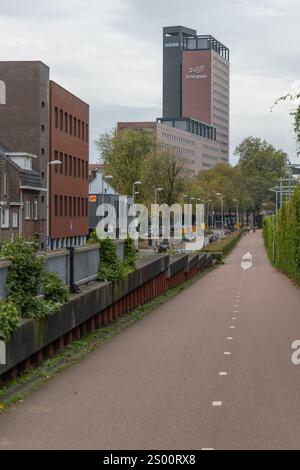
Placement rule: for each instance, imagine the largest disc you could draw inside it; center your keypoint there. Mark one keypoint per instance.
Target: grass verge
(16, 390)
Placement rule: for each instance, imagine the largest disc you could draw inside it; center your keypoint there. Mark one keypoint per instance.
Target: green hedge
(225, 245)
(282, 237)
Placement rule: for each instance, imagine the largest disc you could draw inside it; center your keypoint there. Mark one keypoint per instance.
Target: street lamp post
(107, 177)
(136, 183)
(237, 210)
(49, 164)
(220, 195)
(156, 213)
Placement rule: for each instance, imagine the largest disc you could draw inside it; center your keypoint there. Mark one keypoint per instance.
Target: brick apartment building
(20, 189)
(39, 117)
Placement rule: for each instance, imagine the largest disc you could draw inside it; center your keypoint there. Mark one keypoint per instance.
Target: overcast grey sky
(110, 54)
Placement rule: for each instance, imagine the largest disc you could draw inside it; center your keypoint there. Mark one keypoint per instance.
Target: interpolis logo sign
(196, 73)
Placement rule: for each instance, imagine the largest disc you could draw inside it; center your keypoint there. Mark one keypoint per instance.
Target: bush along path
(222, 248)
(282, 237)
(33, 292)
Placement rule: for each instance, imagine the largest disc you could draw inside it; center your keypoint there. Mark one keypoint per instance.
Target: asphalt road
(167, 383)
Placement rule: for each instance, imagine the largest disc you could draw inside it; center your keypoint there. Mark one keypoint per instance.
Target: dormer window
(23, 160)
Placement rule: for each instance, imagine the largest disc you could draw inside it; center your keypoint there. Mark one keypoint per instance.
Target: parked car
(164, 246)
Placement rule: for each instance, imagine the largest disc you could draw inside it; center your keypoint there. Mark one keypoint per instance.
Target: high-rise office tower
(196, 80)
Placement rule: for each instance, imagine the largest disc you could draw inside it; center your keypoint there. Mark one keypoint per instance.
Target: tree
(123, 153)
(295, 113)
(160, 169)
(225, 179)
(260, 165)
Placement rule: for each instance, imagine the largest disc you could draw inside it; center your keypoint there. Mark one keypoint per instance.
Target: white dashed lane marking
(227, 353)
(223, 373)
(216, 403)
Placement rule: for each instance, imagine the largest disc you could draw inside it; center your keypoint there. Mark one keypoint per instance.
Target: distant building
(192, 142)
(20, 194)
(93, 168)
(101, 192)
(40, 117)
(196, 79)
(195, 122)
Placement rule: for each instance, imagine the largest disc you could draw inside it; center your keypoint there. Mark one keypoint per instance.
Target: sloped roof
(30, 178)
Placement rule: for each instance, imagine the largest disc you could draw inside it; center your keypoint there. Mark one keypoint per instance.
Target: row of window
(71, 124)
(219, 126)
(220, 110)
(210, 157)
(31, 210)
(219, 118)
(211, 148)
(70, 206)
(222, 64)
(166, 135)
(218, 94)
(221, 71)
(71, 166)
(222, 81)
(220, 89)
(220, 102)
(180, 149)
(30, 213)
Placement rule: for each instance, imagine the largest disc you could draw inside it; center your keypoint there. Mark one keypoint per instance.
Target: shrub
(110, 266)
(10, 319)
(54, 289)
(282, 237)
(130, 254)
(224, 245)
(24, 280)
(93, 238)
(28, 280)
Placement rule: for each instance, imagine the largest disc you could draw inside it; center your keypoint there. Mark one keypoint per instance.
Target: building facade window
(4, 218)
(27, 210)
(60, 206)
(56, 205)
(56, 118)
(66, 206)
(35, 210)
(2, 92)
(71, 124)
(15, 219)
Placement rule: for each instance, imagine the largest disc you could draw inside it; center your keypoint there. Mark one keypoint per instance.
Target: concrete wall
(86, 261)
(58, 262)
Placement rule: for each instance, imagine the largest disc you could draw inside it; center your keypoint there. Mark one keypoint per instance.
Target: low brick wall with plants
(282, 237)
(223, 246)
(32, 291)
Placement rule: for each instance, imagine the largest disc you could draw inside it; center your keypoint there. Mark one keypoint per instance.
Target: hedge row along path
(210, 368)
